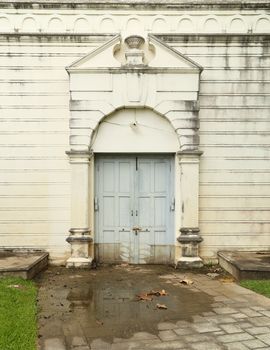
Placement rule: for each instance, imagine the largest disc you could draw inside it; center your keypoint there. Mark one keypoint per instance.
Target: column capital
(80, 231)
(189, 154)
(77, 156)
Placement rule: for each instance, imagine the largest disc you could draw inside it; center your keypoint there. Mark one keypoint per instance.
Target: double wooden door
(134, 207)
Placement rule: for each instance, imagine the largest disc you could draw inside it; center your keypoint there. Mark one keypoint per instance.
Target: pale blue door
(134, 208)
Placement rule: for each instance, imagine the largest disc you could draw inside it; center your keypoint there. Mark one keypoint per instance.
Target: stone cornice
(227, 38)
(138, 4)
(172, 38)
(189, 153)
(134, 69)
(79, 156)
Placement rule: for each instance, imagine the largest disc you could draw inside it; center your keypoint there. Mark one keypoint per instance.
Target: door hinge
(96, 204)
(172, 206)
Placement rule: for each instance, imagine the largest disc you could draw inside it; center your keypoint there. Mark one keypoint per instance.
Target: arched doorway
(134, 152)
(136, 99)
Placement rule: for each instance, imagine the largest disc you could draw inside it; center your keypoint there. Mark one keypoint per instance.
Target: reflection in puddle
(105, 305)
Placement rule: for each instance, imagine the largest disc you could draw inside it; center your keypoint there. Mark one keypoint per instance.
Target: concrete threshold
(22, 264)
(246, 265)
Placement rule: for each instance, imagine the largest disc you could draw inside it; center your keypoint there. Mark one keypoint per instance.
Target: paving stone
(221, 298)
(244, 325)
(206, 314)
(143, 336)
(166, 325)
(258, 308)
(260, 321)
(218, 305)
(183, 324)
(225, 310)
(265, 312)
(78, 341)
(99, 344)
(137, 336)
(254, 344)
(198, 318)
(258, 330)
(221, 319)
(196, 338)
(206, 327)
(183, 331)
(231, 328)
(239, 315)
(210, 291)
(249, 312)
(264, 338)
(132, 345)
(54, 344)
(236, 346)
(206, 346)
(170, 345)
(235, 288)
(168, 335)
(234, 337)
(230, 325)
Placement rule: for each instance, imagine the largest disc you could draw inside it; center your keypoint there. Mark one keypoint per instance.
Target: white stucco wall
(234, 136)
(234, 113)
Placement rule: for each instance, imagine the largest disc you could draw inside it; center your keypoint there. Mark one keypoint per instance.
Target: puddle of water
(103, 304)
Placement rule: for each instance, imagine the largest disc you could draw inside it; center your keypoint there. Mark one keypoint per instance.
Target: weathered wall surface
(34, 128)
(34, 115)
(234, 136)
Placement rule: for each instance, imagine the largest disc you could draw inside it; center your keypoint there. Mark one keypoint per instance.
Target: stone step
(22, 264)
(246, 265)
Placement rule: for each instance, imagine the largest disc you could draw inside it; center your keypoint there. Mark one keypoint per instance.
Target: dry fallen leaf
(163, 292)
(158, 293)
(186, 281)
(144, 297)
(18, 286)
(161, 306)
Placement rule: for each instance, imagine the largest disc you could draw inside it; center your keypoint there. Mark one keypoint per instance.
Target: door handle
(96, 204)
(172, 206)
(136, 228)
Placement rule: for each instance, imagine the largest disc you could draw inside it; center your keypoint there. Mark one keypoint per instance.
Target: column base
(83, 263)
(186, 262)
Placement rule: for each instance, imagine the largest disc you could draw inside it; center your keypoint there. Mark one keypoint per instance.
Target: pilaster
(80, 233)
(189, 232)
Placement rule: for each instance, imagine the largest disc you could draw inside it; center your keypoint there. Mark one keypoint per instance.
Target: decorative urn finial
(134, 41)
(134, 55)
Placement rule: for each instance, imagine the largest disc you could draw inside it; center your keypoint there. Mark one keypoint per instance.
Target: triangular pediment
(102, 57)
(168, 57)
(157, 55)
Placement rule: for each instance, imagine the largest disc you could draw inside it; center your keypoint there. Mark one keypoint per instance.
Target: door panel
(134, 192)
(154, 217)
(114, 191)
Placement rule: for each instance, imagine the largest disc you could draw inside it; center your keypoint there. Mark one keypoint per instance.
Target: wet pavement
(99, 309)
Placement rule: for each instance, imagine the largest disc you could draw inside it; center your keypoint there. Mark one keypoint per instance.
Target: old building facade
(134, 131)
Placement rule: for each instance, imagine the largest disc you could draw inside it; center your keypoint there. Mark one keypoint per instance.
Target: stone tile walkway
(206, 315)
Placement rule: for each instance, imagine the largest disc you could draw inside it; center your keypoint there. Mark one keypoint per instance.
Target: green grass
(258, 286)
(18, 311)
